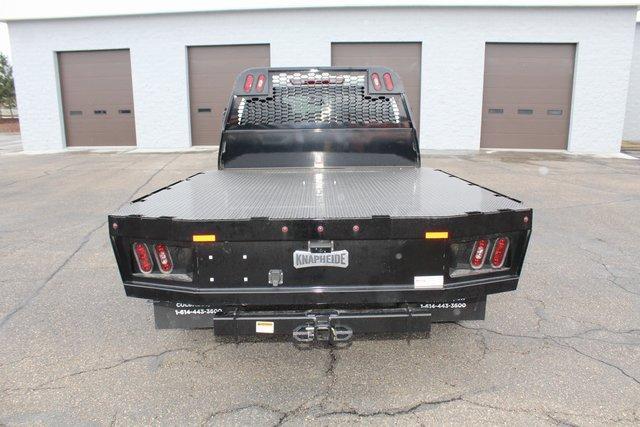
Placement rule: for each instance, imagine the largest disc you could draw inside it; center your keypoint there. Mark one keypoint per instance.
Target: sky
(4, 38)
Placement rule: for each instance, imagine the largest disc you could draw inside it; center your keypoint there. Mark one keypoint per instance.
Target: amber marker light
(436, 235)
(204, 238)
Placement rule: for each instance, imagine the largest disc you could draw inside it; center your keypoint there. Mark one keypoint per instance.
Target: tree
(7, 88)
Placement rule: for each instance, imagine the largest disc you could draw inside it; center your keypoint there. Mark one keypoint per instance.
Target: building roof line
(34, 10)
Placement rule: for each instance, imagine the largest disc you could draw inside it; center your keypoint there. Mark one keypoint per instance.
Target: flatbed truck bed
(310, 247)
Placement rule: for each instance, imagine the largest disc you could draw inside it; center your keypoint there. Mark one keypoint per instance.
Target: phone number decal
(197, 311)
(445, 305)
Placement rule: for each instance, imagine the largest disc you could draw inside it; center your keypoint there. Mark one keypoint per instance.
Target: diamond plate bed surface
(319, 194)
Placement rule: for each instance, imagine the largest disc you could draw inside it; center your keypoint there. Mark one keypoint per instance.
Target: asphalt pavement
(562, 349)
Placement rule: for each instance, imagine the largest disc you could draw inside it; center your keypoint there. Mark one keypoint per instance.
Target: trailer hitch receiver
(320, 328)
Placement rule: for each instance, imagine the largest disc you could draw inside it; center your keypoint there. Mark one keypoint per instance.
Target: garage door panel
(95, 124)
(532, 126)
(212, 74)
(110, 137)
(104, 70)
(223, 70)
(529, 50)
(97, 98)
(404, 58)
(107, 99)
(528, 65)
(510, 111)
(518, 140)
(545, 80)
(527, 95)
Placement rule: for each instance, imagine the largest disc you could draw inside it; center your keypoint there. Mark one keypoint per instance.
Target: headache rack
(318, 117)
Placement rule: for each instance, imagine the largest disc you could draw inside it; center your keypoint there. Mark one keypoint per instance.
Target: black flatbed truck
(320, 221)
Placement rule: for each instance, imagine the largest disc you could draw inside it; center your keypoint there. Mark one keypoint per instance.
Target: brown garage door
(212, 72)
(527, 95)
(404, 58)
(97, 98)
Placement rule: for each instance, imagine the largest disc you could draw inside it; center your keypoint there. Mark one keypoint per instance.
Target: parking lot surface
(562, 349)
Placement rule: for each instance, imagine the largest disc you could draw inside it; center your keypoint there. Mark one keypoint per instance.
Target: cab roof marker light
(388, 81)
(204, 238)
(375, 79)
(260, 83)
(248, 83)
(436, 235)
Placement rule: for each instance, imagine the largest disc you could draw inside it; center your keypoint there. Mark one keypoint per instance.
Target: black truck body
(319, 222)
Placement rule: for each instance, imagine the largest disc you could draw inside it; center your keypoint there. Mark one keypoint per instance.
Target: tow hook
(320, 328)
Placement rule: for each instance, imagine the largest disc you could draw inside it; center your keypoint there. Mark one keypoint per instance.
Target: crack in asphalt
(305, 407)
(556, 340)
(45, 385)
(85, 239)
(553, 416)
(7, 317)
(613, 278)
(228, 411)
(618, 368)
(392, 412)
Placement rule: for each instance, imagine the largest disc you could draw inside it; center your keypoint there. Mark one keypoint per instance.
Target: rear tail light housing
(499, 253)
(143, 257)
(482, 255)
(479, 253)
(163, 256)
(162, 261)
(248, 83)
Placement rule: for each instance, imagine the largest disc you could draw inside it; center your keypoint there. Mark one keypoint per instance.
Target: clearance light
(143, 257)
(163, 256)
(436, 235)
(204, 238)
(375, 79)
(260, 83)
(499, 252)
(248, 83)
(479, 253)
(388, 81)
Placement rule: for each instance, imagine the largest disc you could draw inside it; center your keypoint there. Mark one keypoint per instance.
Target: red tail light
(388, 81)
(248, 83)
(143, 257)
(260, 83)
(499, 252)
(375, 79)
(479, 253)
(163, 256)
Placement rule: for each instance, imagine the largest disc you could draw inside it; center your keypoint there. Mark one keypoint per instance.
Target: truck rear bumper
(378, 295)
(324, 325)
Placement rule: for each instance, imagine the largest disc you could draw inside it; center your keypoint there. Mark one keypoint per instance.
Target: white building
(632, 121)
(477, 75)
